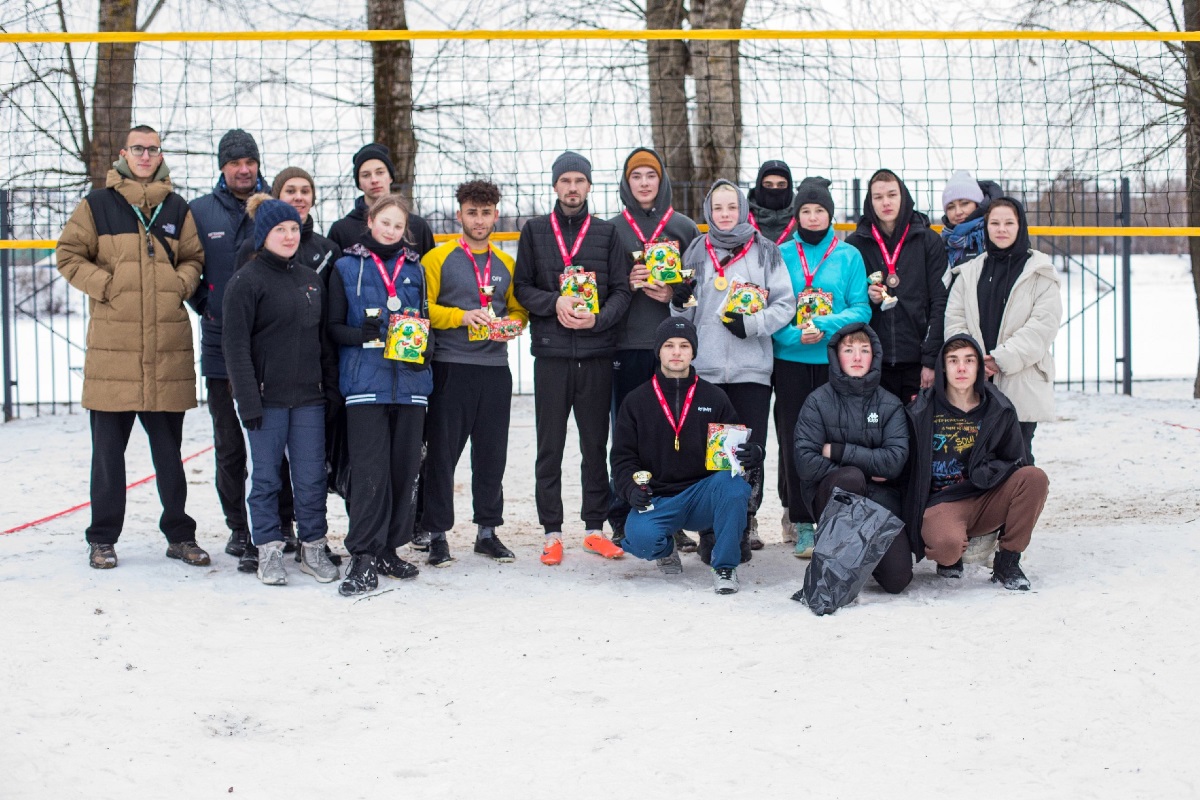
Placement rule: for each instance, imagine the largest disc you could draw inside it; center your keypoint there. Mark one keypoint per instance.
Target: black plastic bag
(852, 537)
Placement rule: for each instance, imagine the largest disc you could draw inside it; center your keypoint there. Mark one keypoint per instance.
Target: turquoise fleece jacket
(844, 276)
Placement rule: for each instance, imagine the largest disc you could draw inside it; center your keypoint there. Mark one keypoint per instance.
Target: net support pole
(1127, 289)
(7, 322)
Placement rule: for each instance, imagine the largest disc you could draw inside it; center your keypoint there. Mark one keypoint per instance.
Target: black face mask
(812, 237)
(774, 199)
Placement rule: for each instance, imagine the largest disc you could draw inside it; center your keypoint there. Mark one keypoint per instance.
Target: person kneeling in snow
(662, 428)
(967, 472)
(851, 435)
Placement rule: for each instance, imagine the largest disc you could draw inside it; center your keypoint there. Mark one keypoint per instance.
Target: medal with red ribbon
(687, 406)
(720, 283)
(567, 255)
(389, 282)
(808, 276)
(890, 259)
(787, 232)
(662, 225)
(482, 279)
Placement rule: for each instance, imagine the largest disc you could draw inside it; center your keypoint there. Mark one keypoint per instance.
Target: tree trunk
(392, 62)
(718, 92)
(668, 65)
(112, 96)
(1191, 22)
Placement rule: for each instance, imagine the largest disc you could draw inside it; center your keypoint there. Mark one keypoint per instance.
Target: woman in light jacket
(1008, 299)
(736, 355)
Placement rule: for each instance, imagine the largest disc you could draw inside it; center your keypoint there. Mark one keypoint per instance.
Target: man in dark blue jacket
(223, 225)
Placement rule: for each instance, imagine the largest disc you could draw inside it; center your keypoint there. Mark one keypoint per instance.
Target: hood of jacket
(661, 202)
(939, 369)
(846, 384)
(907, 218)
(144, 196)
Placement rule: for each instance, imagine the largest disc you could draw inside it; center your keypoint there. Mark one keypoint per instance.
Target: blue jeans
(301, 433)
(718, 502)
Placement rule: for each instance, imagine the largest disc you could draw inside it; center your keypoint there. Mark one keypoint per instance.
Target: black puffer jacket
(998, 452)
(863, 423)
(535, 282)
(911, 331)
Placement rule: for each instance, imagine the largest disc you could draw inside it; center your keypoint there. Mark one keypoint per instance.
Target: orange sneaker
(552, 552)
(601, 546)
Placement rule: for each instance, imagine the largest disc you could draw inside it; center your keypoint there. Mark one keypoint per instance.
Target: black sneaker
(684, 543)
(618, 531)
(439, 553)
(333, 557)
(249, 560)
(237, 543)
(1006, 571)
(393, 566)
(955, 570)
(287, 528)
(420, 541)
(361, 577)
(708, 539)
(493, 548)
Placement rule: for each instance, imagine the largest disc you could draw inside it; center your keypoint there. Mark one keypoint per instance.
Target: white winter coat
(1027, 331)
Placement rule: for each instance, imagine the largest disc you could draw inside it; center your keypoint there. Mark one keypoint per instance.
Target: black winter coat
(274, 340)
(644, 440)
(223, 224)
(315, 252)
(350, 228)
(864, 423)
(999, 449)
(911, 331)
(535, 284)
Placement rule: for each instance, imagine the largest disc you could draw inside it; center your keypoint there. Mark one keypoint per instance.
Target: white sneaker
(725, 580)
(270, 564)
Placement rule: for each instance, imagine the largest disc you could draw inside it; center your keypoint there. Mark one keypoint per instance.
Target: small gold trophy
(687, 275)
(642, 479)
(888, 302)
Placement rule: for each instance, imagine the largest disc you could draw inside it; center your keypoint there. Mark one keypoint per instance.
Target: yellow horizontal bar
(606, 35)
(512, 236)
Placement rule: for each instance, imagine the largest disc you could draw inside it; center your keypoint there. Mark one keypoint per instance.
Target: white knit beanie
(961, 186)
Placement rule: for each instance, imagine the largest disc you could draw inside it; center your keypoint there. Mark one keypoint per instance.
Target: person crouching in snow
(851, 435)
(662, 428)
(281, 369)
(967, 473)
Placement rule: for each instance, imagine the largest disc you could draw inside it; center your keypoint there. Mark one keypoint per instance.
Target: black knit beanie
(672, 327)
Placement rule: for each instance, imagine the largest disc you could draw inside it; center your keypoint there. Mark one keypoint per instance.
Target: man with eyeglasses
(133, 248)
(224, 225)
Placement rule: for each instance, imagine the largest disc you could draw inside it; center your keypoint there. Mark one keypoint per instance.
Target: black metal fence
(44, 322)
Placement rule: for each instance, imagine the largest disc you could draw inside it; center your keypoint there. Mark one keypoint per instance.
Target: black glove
(639, 498)
(253, 423)
(371, 331)
(736, 325)
(751, 455)
(683, 293)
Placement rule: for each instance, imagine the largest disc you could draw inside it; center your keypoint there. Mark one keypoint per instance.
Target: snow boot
(725, 580)
(361, 576)
(955, 570)
(1006, 571)
(315, 562)
(671, 563)
(189, 553)
(102, 556)
(752, 534)
(270, 564)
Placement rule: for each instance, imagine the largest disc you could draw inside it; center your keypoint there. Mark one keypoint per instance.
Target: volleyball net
(1057, 119)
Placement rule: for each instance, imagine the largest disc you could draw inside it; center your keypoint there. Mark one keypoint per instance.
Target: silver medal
(393, 303)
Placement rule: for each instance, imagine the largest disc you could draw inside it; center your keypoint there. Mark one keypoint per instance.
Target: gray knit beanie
(236, 144)
(570, 162)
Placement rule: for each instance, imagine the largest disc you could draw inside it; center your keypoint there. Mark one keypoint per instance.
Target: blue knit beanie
(271, 213)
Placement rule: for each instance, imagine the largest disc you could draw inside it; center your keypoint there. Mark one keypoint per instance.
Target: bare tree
(112, 93)
(715, 67)
(393, 70)
(1169, 88)
(667, 72)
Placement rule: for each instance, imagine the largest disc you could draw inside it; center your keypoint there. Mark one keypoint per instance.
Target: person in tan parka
(133, 248)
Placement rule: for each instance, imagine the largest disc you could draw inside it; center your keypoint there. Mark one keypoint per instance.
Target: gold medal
(720, 283)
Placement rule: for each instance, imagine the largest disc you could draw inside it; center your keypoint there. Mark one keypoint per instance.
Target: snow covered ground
(606, 679)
